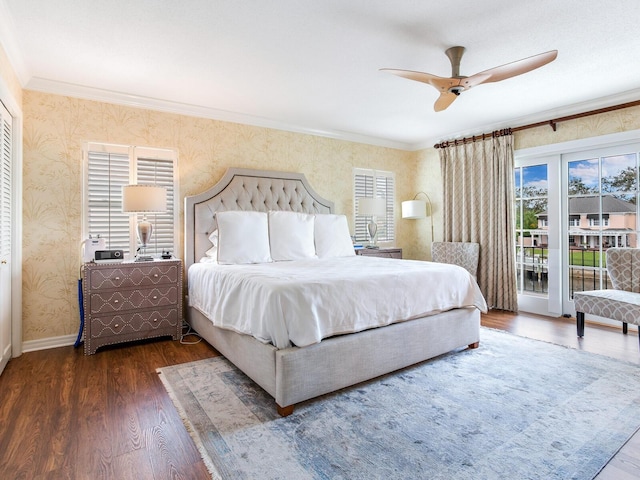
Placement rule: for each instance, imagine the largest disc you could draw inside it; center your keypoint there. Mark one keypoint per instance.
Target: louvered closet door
(5, 235)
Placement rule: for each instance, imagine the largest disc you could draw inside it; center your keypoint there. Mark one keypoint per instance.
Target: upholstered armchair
(463, 254)
(622, 302)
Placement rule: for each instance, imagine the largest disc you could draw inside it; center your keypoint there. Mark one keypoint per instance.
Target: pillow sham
(243, 237)
(212, 253)
(332, 236)
(291, 236)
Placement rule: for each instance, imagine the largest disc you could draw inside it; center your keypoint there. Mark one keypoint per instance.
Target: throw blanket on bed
(303, 301)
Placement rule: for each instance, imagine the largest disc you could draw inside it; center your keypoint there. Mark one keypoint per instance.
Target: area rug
(514, 408)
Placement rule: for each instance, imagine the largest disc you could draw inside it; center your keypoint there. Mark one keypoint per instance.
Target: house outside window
(374, 184)
(107, 168)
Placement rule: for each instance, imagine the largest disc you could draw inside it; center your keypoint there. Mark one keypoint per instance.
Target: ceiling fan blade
(512, 69)
(441, 83)
(444, 100)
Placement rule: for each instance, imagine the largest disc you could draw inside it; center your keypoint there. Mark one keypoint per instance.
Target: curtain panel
(478, 207)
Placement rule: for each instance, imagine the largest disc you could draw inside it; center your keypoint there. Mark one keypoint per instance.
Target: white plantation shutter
(159, 172)
(378, 184)
(5, 183)
(107, 173)
(109, 168)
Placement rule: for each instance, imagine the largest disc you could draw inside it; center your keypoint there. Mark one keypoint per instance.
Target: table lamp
(372, 207)
(144, 199)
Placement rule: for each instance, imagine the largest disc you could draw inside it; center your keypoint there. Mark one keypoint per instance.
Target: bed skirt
(292, 375)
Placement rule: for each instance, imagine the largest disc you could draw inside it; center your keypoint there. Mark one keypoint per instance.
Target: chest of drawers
(131, 301)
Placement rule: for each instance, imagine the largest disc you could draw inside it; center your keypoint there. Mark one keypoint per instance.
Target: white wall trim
(46, 343)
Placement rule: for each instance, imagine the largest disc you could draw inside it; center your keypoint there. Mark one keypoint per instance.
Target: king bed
(274, 286)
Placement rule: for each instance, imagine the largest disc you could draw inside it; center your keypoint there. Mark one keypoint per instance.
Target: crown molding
(89, 93)
(118, 98)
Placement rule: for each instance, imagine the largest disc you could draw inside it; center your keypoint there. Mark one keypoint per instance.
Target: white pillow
(291, 236)
(243, 237)
(332, 236)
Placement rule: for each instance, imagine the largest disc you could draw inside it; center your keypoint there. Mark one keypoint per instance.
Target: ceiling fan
(451, 88)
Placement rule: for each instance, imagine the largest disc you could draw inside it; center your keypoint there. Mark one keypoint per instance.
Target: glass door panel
(532, 235)
(600, 212)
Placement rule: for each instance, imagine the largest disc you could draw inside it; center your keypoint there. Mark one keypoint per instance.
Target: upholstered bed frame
(293, 375)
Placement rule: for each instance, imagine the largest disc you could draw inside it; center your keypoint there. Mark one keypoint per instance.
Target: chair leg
(580, 323)
(625, 327)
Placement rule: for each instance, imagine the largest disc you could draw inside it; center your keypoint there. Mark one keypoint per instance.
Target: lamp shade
(144, 199)
(414, 209)
(371, 206)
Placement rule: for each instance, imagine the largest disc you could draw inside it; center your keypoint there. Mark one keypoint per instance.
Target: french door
(538, 253)
(571, 207)
(600, 212)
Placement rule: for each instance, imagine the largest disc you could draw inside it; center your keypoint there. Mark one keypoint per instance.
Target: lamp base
(372, 228)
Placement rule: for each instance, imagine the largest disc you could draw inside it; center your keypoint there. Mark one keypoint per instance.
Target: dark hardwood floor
(64, 415)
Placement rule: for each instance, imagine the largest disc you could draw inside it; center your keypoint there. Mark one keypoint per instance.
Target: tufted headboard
(245, 189)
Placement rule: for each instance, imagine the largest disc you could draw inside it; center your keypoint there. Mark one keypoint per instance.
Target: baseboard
(46, 343)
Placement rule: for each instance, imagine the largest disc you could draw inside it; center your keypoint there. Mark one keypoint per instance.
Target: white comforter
(301, 302)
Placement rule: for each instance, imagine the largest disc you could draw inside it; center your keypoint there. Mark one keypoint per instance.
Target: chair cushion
(614, 304)
(623, 266)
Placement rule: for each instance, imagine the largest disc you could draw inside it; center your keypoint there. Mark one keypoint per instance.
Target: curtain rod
(552, 123)
(484, 136)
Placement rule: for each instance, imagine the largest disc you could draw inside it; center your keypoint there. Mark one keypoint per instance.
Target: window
(379, 184)
(594, 221)
(107, 169)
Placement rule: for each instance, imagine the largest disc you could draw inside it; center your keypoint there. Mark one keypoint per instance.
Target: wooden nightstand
(131, 301)
(380, 252)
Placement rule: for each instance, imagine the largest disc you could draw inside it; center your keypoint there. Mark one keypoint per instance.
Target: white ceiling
(312, 65)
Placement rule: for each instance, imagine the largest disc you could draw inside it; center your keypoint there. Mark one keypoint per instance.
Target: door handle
(3, 262)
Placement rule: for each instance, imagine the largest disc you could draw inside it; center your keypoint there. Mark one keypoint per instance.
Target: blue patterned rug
(513, 409)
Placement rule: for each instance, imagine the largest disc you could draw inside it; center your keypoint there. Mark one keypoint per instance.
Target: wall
(592, 126)
(9, 78)
(55, 128)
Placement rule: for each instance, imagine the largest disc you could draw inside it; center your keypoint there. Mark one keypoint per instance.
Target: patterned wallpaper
(55, 128)
(603, 124)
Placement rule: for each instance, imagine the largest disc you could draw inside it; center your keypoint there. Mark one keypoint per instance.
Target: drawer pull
(116, 301)
(117, 325)
(155, 275)
(117, 278)
(155, 297)
(155, 319)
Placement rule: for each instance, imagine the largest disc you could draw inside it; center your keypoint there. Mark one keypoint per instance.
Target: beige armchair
(622, 302)
(463, 254)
